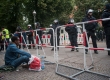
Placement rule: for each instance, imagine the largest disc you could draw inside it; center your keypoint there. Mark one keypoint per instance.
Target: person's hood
(107, 6)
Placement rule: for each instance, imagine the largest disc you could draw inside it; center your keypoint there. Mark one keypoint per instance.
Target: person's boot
(86, 51)
(77, 50)
(96, 52)
(109, 53)
(52, 49)
(72, 49)
(29, 47)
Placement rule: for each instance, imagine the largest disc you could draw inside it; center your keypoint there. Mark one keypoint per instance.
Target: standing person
(18, 34)
(0, 41)
(5, 36)
(30, 36)
(51, 33)
(106, 25)
(24, 38)
(54, 26)
(39, 32)
(12, 57)
(72, 33)
(90, 29)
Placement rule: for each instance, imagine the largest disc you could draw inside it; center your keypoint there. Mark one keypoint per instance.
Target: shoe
(52, 49)
(95, 52)
(77, 50)
(109, 53)
(29, 48)
(86, 52)
(72, 49)
(25, 66)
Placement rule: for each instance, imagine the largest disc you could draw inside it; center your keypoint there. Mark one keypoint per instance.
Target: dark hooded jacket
(71, 30)
(90, 26)
(106, 14)
(54, 26)
(30, 33)
(39, 32)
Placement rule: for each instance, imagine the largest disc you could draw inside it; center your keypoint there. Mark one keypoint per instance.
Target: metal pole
(34, 14)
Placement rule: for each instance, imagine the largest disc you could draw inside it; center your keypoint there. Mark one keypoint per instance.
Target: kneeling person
(12, 57)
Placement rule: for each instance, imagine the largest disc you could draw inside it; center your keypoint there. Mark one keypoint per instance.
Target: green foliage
(84, 5)
(48, 10)
(15, 13)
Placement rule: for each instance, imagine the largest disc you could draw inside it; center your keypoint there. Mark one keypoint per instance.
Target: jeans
(19, 61)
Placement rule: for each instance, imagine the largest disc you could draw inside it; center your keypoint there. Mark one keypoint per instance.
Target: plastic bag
(34, 63)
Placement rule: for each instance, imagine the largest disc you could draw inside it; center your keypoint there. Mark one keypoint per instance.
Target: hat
(55, 21)
(50, 24)
(71, 20)
(29, 25)
(90, 11)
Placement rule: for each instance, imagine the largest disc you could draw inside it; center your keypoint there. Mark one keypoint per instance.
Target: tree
(19, 12)
(48, 10)
(10, 14)
(84, 5)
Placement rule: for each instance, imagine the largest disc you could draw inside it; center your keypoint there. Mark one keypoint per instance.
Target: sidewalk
(66, 57)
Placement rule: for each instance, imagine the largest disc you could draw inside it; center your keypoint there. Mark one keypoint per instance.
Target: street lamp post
(34, 14)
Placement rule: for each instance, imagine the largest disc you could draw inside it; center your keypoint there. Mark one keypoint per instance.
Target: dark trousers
(73, 40)
(31, 40)
(19, 61)
(93, 37)
(107, 33)
(6, 41)
(108, 42)
(51, 40)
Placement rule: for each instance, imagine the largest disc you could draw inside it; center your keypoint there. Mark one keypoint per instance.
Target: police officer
(54, 26)
(5, 36)
(51, 33)
(72, 33)
(39, 32)
(30, 36)
(106, 25)
(90, 29)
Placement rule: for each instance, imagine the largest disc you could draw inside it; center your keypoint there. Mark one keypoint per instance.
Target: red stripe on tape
(69, 47)
(96, 48)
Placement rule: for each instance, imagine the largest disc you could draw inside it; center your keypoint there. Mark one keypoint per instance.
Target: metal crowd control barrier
(23, 41)
(76, 72)
(46, 45)
(38, 42)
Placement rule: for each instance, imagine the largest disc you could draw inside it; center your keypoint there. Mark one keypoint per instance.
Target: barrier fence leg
(86, 42)
(25, 43)
(41, 46)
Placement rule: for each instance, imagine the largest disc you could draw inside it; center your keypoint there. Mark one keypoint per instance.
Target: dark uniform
(30, 36)
(72, 33)
(101, 35)
(106, 25)
(90, 29)
(51, 33)
(18, 34)
(39, 32)
(54, 26)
